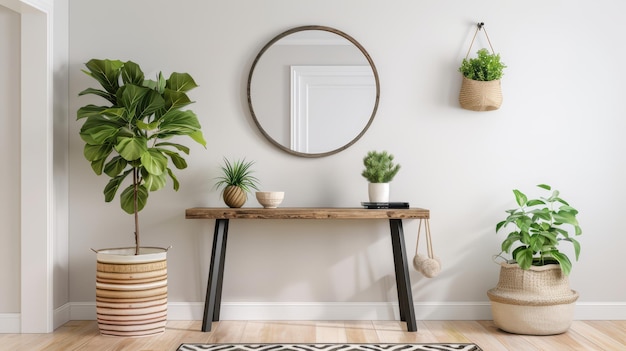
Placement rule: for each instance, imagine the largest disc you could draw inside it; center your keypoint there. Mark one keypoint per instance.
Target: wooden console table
(220, 235)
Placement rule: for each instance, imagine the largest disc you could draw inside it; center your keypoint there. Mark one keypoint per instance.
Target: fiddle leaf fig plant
(379, 167)
(539, 227)
(132, 138)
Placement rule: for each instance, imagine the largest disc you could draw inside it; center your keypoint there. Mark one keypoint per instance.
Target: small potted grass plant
(236, 182)
(379, 171)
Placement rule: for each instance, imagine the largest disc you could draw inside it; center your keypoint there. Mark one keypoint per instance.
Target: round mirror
(313, 91)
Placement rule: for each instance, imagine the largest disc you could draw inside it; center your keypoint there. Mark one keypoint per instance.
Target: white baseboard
(62, 315)
(10, 323)
(350, 311)
(600, 311)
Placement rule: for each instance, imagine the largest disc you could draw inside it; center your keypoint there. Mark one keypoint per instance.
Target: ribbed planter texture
(234, 196)
(537, 301)
(480, 95)
(378, 192)
(131, 291)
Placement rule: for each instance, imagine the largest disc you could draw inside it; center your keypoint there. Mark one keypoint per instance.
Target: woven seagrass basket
(537, 301)
(480, 95)
(131, 291)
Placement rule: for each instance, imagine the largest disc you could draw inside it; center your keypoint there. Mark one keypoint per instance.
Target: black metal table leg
(216, 275)
(403, 281)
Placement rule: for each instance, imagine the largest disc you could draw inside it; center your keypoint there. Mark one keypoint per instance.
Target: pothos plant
(539, 228)
(128, 138)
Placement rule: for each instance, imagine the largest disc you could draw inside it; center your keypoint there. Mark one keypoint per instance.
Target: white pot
(131, 291)
(378, 192)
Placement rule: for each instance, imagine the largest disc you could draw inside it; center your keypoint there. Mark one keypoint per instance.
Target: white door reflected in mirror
(329, 105)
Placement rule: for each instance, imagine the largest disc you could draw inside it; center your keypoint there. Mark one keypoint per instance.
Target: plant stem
(136, 205)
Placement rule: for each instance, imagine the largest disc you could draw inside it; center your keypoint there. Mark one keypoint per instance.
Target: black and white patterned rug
(329, 347)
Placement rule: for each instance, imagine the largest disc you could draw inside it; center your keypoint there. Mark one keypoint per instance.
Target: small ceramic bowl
(270, 199)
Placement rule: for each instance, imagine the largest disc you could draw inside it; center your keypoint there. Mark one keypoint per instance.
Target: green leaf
(174, 179)
(110, 97)
(154, 182)
(551, 237)
(154, 162)
(131, 148)
(524, 257)
(178, 122)
(536, 242)
(99, 130)
(564, 262)
(565, 217)
(182, 148)
(149, 104)
(111, 188)
(132, 74)
(97, 166)
(148, 126)
(129, 96)
(115, 166)
(89, 110)
(175, 99)
(97, 152)
(542, 213)
(177, 160)
(509, 241)
(500, 225)
(534, 202)
(127, 199)
(106, 72)
(180, 82)
(520, 198)
(576, 245)
(198, 137)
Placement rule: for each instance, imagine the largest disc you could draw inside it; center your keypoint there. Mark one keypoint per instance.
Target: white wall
(561, 123)
(10, 171)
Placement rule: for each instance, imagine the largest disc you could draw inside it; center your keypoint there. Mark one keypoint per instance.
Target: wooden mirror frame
(307, 28)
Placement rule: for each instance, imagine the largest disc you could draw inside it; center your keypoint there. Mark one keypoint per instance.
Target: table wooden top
(305, 213)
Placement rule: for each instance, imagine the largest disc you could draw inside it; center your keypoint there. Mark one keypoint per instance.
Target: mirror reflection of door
(335, 125)
(329, 105)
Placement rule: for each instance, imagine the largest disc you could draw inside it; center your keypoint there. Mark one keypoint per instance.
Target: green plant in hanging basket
(485, 67)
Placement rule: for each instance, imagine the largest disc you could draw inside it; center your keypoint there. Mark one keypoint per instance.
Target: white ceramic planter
(378, 192)
(131, 291)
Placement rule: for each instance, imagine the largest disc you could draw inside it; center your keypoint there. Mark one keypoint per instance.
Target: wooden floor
(84, 335)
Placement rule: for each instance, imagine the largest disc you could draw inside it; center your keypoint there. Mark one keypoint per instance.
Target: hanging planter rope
(483, 93)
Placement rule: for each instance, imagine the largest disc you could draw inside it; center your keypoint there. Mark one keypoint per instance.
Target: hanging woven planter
(480, 88)
(479, 95)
